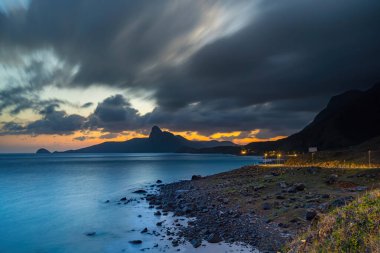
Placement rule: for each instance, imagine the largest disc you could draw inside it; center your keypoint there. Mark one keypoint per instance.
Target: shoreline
(261, 206)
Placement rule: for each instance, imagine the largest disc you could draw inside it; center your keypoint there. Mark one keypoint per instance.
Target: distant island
(158, 142)
(43, 151)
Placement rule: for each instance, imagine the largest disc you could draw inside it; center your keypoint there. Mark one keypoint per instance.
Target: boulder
(310, 214)
(266, 206)
(283, 184)
(135, 242)
(299, 186)
(214, 238)
(140, 191)
(196, 177)
(333, 178)
(196, 242)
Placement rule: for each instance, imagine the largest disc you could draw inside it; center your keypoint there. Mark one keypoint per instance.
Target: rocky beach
(263, 207)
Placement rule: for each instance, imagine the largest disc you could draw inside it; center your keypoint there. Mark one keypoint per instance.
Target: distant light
(243, 152)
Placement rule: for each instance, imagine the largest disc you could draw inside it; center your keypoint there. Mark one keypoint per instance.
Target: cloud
(52, 121)
(115, 114)
(87, 105)
(80, 138)
(109, 136)
(273, 69)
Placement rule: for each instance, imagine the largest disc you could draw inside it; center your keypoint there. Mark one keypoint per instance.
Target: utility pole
(369, 158)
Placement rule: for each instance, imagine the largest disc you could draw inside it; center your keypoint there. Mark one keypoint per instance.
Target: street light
(265, 158)
(278, 158)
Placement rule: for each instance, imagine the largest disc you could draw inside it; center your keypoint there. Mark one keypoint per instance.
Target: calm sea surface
(49, 202)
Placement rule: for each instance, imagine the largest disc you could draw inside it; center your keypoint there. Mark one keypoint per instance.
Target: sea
(70, 202)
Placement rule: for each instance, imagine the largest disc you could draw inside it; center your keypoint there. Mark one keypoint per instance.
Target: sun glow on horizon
(81, 139)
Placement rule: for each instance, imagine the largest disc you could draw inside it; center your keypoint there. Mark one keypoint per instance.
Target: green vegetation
(353, 228)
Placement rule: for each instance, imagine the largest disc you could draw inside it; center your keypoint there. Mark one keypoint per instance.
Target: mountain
(349, 119)
(43, 151)
(158, 142)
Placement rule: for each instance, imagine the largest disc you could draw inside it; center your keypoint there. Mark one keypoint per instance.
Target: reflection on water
(48, 203)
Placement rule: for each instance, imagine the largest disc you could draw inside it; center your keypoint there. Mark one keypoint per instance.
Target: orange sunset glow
(28, 143)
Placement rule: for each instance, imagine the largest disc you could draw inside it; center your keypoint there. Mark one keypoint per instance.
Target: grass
(352, 228)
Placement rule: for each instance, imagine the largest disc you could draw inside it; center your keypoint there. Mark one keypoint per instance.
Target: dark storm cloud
(115, 114)
(274, 73)
(292, 49)
(53, 121)
(111, 41)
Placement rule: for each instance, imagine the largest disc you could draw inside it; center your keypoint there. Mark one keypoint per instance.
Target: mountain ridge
(349, 119)
(158, 142)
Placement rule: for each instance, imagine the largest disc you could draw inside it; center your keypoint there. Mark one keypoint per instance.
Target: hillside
(158, 142)
(349, 119)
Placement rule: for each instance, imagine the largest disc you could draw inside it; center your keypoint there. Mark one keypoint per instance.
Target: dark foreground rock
(135, 242)
(260, 206)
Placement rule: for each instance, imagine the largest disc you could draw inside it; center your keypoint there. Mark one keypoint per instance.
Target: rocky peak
(155, 132)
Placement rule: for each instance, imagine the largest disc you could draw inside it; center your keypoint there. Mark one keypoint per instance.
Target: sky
(79, 72)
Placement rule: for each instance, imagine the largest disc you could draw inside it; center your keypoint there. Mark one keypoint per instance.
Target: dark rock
(358, 189)
(280, 197)
(140, 191)
(299, 186)
(325, 196)
(158, 213)
(196, 177)
(266, 206)
(275, 174)
(196, 242)
(291, 189)
(214, 238)
(341, 201)
(175, 243)
(258, 187)
(145, 230)
(310, 214)
(92, 233)
(283, 225)
(159, 224)
(333, 178)
(268, 220)
(135, 242)
(107, 201)
(123, 199)
(159, 182)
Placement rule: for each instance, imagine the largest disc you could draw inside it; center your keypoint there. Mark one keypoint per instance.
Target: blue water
(48, 202)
